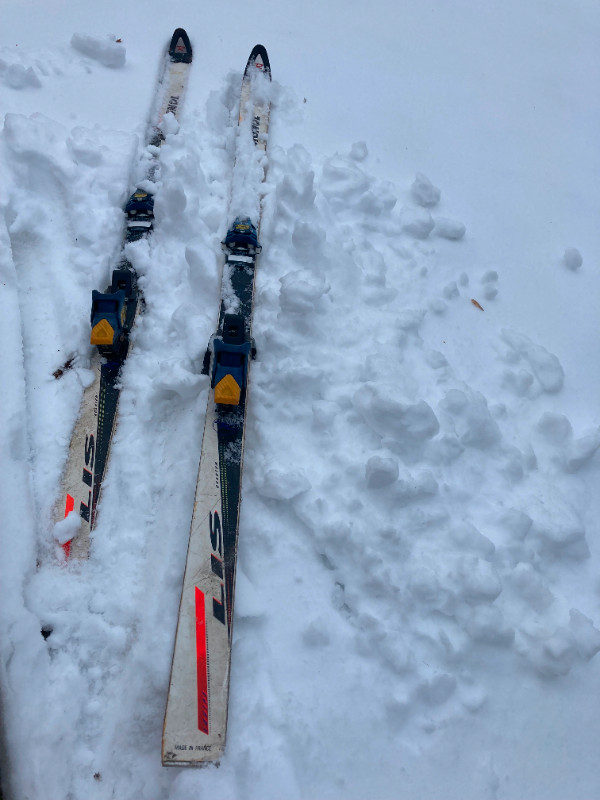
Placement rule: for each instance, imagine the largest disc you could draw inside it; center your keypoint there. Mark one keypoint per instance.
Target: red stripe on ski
(69, 506)
(201, 661)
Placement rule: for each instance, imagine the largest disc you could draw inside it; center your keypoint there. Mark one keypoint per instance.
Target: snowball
(572, 258)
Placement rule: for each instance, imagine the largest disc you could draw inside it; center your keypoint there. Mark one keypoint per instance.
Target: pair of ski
(196, 714)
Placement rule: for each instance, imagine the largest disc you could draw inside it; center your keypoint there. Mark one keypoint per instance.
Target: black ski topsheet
(89, 449)
(195, 724)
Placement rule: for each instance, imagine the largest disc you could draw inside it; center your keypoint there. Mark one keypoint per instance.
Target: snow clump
(572, 258)
(107, 50)
(424, 192)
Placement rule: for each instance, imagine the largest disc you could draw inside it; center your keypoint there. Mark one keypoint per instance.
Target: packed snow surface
(417, 609)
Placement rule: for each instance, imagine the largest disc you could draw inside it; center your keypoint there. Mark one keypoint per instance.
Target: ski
(196, 714)
(113, 316)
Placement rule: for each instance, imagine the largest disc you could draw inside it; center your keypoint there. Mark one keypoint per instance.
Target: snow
(417, 609)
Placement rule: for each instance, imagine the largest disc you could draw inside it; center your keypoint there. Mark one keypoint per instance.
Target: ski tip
(180, 48)
(259, 59)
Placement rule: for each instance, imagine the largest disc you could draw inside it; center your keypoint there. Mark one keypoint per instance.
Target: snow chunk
(479, 580)
(295, 194)
(530, 587)
(308, 238)
(450, 290)
(558, 528)
(83, 149)
(410, 320)
(414, 486)
(424, 192)
(388, 417)
(19, 77)
(472, 419)
(545, 366)
(491, 276)
(316, 634)
(435, 359)
(584, 635)
(343, 182)
(416, 222)
(517, 523)
(469, 538)
(359, 151)
(107, 50)
(552, 656)
(555, 428)
(581, 451)
(249, 603)
(324, 414)
(301, 292)
(572, 258)
(169, 124)
(279, 484)
(449, 228)
(436, 691)
(486, 624)
(381, 471)
(67, 529)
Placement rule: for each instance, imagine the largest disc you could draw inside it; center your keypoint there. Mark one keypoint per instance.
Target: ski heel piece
(111, 316)
(140, 215)
(230, 350)
(108, 317)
